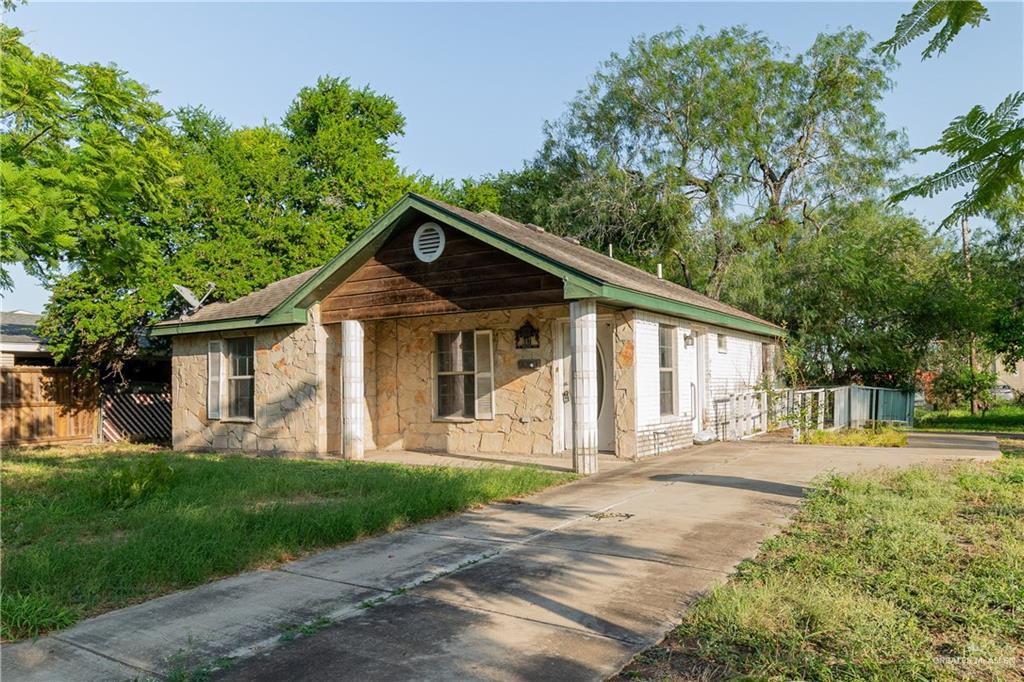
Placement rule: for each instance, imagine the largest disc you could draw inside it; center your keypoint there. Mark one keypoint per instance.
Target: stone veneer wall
(624, 350)
(523, 406)
(287, 418)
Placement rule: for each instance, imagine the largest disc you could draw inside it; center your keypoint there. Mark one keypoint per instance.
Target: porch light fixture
(527, 336)
(688, 341)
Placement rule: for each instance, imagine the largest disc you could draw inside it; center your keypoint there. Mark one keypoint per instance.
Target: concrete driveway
(566, 584)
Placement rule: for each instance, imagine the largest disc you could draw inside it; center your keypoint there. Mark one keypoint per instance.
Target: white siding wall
(657, 433)
(734, 371)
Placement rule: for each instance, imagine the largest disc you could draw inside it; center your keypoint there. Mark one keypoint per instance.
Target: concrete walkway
(566, 584)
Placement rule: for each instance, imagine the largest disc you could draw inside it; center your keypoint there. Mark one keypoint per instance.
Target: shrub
(129, 484)
(959, 385)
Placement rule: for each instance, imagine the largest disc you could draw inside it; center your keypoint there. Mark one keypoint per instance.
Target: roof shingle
(256, 304)
(568, 253)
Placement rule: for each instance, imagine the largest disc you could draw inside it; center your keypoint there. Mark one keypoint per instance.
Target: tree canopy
(109, 198)
(754, 175)
(695, 148)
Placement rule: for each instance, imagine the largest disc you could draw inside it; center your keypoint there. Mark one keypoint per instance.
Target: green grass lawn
(91, 529)
(911, 575)
(1007, 418)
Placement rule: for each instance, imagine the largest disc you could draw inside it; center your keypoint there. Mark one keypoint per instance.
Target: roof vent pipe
(660, 273)
(610, 254)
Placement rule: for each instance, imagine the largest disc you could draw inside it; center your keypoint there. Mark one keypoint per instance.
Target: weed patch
(914, 574)
(880, 436)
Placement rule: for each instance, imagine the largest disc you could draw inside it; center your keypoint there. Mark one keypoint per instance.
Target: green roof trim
(577, 284)
(275, 319)
(658, 304)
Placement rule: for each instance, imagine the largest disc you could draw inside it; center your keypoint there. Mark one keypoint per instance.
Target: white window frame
(230, 376)
(671, 332)
(214, 379)
(483, 376)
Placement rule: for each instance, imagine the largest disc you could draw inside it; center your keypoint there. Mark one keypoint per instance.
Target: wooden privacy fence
(750, 413)
(46, 405)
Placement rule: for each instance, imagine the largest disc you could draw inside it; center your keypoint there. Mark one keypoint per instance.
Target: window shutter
(214, 358)
(484, 357)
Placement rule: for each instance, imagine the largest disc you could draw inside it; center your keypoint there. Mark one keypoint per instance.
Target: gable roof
(586, 273)
(593, 263)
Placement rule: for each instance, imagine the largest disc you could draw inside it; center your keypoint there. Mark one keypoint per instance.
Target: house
(19, 344)
(443, 329)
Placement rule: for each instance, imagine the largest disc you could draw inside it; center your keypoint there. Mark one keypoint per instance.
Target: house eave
(293, 316)
(616, 295)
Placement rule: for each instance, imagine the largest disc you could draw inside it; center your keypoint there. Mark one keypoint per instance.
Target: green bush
(960, 385)
(129, 484)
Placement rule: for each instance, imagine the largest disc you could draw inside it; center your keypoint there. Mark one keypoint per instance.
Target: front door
(605, 404)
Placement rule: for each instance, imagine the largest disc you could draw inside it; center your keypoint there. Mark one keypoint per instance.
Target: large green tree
(85, 157)
(109, 199)
(864, 297)
(986, 149)
(693, 149)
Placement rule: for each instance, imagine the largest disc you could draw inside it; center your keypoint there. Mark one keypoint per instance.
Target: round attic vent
(428, 242)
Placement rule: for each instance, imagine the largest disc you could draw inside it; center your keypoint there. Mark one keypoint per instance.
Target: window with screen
(241, 378)
(463, 378)
(667, 368)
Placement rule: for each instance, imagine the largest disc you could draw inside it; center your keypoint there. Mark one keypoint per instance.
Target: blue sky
(477, 81)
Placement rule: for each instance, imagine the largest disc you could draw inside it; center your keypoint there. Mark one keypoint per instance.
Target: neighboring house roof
(586, 273)
(18, 331)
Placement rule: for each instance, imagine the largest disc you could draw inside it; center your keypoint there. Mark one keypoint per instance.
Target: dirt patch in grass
(913, 574)
(91, 529)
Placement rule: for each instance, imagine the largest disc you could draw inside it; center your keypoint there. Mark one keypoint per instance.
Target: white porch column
(583, 342)
(352, 389)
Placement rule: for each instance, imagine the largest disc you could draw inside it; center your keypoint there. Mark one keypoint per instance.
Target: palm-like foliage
(988, 153)
(950, 15)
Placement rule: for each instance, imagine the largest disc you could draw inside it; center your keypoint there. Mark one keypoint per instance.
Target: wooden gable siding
(469, 275)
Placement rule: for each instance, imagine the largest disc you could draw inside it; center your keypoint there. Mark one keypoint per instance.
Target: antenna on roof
(194, 302)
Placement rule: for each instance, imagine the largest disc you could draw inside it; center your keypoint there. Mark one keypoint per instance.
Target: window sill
(453, 420)
(238, 420)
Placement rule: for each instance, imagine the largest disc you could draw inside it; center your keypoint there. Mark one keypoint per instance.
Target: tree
(342, 138)
(988, 154)
(84, 155)
(891, 289)
(1001, 270)
(950, 16)
(987, 148)
(987, 151)
(695, 149)
(253, 205)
